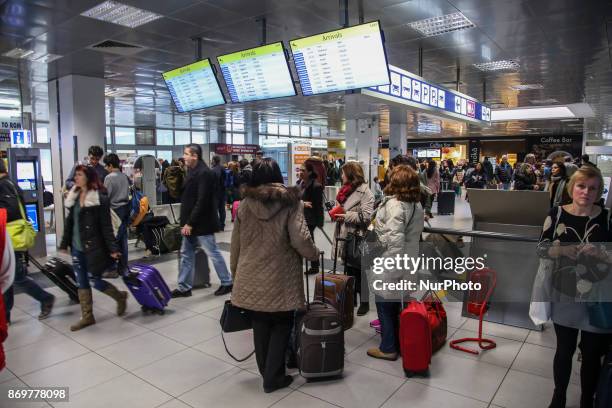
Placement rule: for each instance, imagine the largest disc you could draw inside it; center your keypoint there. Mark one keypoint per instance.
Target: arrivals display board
(409, 89)
(257, 73)
(194, 86)
(340, 60)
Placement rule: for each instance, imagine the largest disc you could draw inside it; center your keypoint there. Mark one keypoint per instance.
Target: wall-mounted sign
(409, 89)
(474, 151)
(21, 138)
(222, 148)
(433, 145)
(274, 142)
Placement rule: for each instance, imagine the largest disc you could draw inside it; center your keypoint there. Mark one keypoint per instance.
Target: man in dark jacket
(10, 198)
(199, 221)
(219, 171)
(94, 155)
(503, 173)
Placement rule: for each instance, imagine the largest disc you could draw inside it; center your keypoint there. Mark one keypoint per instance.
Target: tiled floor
(178, 360)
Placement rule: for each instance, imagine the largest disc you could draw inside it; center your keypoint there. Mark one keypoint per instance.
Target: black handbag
(234, 319)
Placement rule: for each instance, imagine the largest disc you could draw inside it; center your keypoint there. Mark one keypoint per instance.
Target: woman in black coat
(312, 195)
(89, 233)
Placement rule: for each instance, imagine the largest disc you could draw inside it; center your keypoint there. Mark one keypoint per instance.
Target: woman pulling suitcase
(398, 225)
(89, 233)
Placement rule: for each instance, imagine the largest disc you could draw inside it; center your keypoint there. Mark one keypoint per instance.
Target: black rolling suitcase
(201, 273)
(446, 202)
(201, 270)
(321, 339)
(61, 274)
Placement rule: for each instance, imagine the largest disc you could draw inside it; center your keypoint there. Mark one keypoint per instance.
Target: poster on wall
(298, 153)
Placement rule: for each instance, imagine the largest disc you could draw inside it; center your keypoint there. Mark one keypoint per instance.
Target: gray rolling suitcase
(321, 340)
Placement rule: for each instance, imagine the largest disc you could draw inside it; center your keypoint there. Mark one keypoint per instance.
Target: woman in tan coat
(269, 239)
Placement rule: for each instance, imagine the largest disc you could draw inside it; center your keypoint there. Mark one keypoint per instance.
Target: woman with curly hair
(398, 225)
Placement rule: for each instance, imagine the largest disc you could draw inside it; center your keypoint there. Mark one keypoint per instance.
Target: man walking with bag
(199, 222)
(11, 201)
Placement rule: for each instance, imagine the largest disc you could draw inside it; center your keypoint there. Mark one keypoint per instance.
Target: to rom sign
(10, 125)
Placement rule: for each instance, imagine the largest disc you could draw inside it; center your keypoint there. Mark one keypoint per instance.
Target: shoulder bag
(21, 231)
(234, 319)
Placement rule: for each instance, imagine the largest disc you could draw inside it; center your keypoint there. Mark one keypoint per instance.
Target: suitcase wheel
(147, 310)
(410, 374)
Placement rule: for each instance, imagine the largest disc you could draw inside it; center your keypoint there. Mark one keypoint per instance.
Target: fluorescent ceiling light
(526, 87)
(18, 53)
(502, 65)
(122, 14)
(545, 112)
(442, 24)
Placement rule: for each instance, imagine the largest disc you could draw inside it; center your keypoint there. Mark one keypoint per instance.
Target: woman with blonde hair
(572, 236)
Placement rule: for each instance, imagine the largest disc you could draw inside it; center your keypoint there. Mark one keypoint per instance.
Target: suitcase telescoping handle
(321, 254)
(34, 262)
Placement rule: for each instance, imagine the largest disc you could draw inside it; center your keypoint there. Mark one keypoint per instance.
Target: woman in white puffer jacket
(398, 226)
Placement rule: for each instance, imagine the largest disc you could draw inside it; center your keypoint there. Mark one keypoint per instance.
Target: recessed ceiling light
(18, 53)
(442, 24)
(122, 14)
(526, 87)
(548, 101)
(502, 65)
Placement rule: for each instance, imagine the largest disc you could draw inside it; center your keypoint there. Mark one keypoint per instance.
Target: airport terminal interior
(495, 102)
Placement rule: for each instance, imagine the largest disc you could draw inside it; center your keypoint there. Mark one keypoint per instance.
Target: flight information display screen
(339, 60)
(194, 86)
(257, 73)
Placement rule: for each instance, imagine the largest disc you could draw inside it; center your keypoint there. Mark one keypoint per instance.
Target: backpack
(174, 178)
(229, 179)
(139, 206)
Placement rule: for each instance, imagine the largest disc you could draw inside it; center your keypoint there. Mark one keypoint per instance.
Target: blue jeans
(25, 283)
(122, 237)
(388, 314)
(209, 245)
(506, 186)
(79, 263)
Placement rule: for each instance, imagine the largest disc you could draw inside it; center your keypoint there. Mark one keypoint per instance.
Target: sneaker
(224, 290)
(147, 254)
(376, 353)
(46, 308)
(177, 293)
(206, 285)
(375, 323)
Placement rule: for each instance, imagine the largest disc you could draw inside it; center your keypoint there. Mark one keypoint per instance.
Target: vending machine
(24, 170)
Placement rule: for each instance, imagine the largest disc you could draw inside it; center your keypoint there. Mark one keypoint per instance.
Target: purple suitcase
(148, 288)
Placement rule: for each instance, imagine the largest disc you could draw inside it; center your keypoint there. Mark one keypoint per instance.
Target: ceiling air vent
(116, 47)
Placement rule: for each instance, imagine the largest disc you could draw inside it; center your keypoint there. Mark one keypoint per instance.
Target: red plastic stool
(477, 305)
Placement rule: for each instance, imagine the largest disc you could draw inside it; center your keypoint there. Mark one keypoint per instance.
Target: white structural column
(361, 135)
(76, 121)
(398, 132)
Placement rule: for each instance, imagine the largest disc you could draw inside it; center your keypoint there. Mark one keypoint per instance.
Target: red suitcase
(415, 339)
